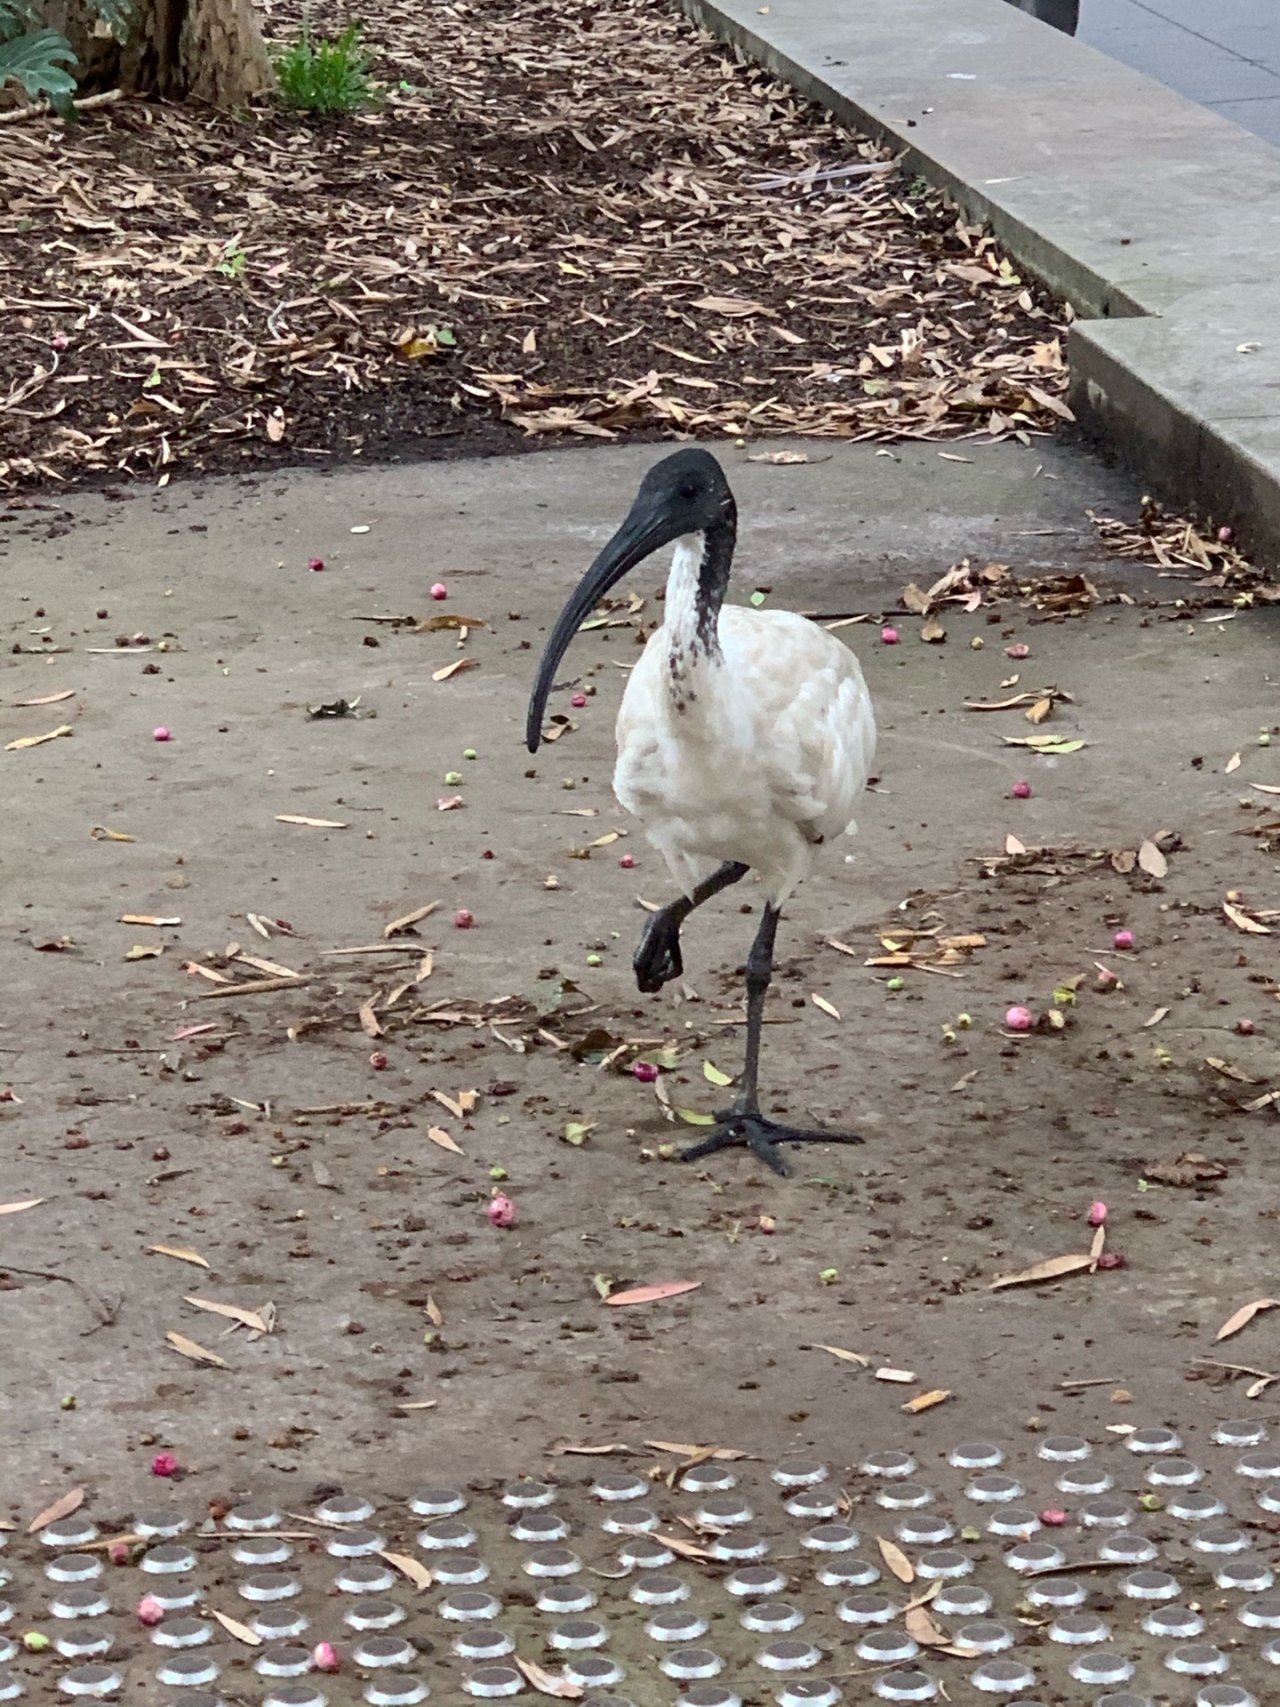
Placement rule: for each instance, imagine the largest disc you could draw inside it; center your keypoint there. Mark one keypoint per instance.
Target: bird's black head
(685, 493)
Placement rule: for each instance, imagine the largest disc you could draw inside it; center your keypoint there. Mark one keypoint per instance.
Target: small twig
(1100, 1381)
(106, 1313)
(42, 109)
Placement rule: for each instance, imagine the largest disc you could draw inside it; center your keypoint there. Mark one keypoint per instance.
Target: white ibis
(744, 739)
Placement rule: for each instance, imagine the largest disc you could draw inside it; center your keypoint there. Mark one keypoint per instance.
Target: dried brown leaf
(896, 1560)
(1243, 1316)
(1152, 860)
(180, 1253)
(63, 1506)
(1052, 1268)
(195, 1353)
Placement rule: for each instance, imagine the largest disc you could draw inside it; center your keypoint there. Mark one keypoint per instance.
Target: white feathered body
(756, 755)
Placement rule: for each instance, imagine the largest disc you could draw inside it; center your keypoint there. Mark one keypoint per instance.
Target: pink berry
(324, 1657)
(1122, 940)
(1226, 535)
(578, 701)
(1097, 1213)
(464, 918)
(1245, 1027)
(118, 1552)
(1021, 791)
(501, 1211)
(439, 591)
(628, 862)
(890, 636)
(150, 1610)
(645, 1071)
(161, 734)
(58, 342)
(1019, 1019)
(315, 564)
(1112, 1259)
(1019, 649)
(377, 1061)
(1054, 1516)
(488, 854)
(164, 1464)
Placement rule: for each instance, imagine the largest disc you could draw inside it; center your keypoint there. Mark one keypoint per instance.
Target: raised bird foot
(658, 959)
(762, 1137)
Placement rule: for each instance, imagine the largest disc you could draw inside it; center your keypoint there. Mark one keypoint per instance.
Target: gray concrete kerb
(1157, 220)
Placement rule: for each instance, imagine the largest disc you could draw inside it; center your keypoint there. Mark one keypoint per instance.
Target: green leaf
(693, 1118)
(37, 60)
(714, 1076)
(578, 1131)
(757, 599)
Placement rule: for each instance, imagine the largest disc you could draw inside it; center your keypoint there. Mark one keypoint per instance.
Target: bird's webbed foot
(761, 1136)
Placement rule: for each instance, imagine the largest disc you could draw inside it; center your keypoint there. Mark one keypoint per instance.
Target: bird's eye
(689, 490)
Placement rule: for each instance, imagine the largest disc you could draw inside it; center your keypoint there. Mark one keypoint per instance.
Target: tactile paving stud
(467, 1605)
(789, 1654)
(812, 1505)
(395, 1689)
(629, 1520)
(1127, 1549)
(1221, 1538)
(1082, 1481)
(962, 1600)
(540, 1526)
(73, 1568)
(1080, 1630)
(750, 1580)
(903, 1496)
(1057, 1594)
(447, 1535)
(976, 1455)
(268, 1586)
(526, 1494)
(619, 1487)
(491, 1682)
(566, 1597)
(65, 1534)
(772, 1617)
(283, 1660)
(1259, 1466)
(1101, 1667)
(846, 1570)
(1154, 1440)
(885, 1647)
(1173, 1473)
(943, 1562)
(375, 1651)
(642, 1553)
(905, 1684)
(485, 1643)
(461, 1570)
(708, 1478)
(809, 1692)
(1150, 1585)
(867, 1609)
(724, 1511)
(831, 1538)
(84, 1641)
(188, 1671)
(85, 1600)
(354, 1543)
(1239, 1432)
(578, 1633)
(94, 1681)
(1064, 1449)
(598, 1671)
(345, 1508)
(659, 1589)
(1014, 1522)
(924, 1530)
(252, 1516)
(1195, 1506)
(549, 1562)
(892, 1463)
(261, 1552)
(296, 1695)
(1198, 1659)
(1107, 1512)
(708, 1695)
(799, 1473)
(373, 1615)
(437, 1502)
(183, 1633)
(1002, 1677)
(1029, 1556)
(365, 1576)
(690, 1664)
(10, 1686)
(738, 1544)
(276, 1623)
(1173, 1623)
(984, 1636)
(1224, 1695)
(1246, 1572)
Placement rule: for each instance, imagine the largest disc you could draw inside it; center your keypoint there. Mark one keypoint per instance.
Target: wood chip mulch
(568, 219)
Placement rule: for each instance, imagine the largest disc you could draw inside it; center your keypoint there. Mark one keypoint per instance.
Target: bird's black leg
(657, 960)
(743, 1124)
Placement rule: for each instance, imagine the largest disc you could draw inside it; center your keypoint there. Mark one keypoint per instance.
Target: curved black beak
(650, 524)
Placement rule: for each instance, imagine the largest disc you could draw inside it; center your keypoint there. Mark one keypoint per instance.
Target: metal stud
(395, 1689)
(437, 1502)
(376, 1651)
(667, 1626)
(772, 1617)
(690, 1664)
(577, 1633)
(1002, 1677)
(528, 1495)
(486, 1643)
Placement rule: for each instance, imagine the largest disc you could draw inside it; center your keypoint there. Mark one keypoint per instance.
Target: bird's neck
(696, 587)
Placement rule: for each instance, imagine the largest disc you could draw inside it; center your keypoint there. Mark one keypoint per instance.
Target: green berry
(470, 753)
(453, 778)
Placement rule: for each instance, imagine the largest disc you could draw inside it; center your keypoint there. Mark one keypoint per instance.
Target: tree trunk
(203, 50)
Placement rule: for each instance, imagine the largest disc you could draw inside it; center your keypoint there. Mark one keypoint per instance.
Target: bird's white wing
(813, 728)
